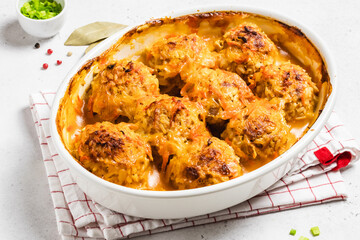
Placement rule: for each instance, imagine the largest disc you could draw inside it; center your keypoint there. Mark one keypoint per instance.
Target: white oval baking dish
(193, 202)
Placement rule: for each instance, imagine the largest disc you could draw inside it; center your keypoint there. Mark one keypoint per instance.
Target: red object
(326, 158)
(58, 62)
(49, 51)
(45, 66)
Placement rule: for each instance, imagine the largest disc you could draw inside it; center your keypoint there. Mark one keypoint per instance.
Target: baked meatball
(291, 84)
(170, 124)
(116, 89)
(173, 117)
(206, 162)
(247, 48)
(169, 56)
(259, 131)
(115, 153)
(221, 93)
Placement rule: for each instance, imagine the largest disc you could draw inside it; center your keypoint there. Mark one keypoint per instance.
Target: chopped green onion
(315, 231)
(292, 232)
(41, 9)
(303, 238)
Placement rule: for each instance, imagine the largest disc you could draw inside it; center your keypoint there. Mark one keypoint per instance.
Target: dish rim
(277, 162)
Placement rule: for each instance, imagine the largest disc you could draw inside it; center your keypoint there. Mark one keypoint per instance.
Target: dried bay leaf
(93, 32)
(91, 46)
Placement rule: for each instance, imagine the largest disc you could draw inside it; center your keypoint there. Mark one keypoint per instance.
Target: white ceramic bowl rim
(40, 20)
(292, 152)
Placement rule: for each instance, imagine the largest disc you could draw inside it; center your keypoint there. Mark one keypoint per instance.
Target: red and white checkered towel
(314, 179)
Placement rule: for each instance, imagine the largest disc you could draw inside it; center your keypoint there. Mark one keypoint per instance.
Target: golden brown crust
(170, 114)
(221, 93)
(115, 153)
(247, 48)
(208, 161)
(171, 124)
(170, 55)
(291, 84)
(115, 89)
(259, 131)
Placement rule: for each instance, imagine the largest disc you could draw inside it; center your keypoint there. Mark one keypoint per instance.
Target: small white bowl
(42, 28)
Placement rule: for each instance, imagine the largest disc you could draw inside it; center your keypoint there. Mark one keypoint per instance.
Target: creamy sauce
(298, 128)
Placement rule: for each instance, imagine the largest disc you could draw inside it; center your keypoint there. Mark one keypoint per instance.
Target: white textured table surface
(26, 210)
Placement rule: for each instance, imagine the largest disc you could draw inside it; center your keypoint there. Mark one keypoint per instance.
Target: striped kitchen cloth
(314, 179)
